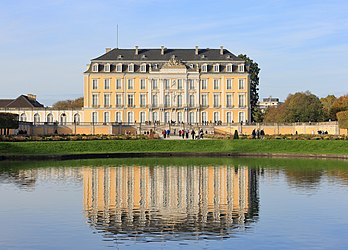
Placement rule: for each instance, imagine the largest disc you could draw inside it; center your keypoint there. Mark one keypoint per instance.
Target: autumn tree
(340, 104)
(327, 103)
(69, 104)
(254, 70)
(343, 119)
(274, 114)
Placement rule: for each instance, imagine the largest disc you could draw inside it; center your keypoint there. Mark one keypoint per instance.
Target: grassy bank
(235, 146)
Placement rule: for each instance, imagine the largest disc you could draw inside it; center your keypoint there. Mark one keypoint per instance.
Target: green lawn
(237, 146)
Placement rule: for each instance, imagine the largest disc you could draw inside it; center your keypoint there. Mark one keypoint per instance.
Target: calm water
(174, 204)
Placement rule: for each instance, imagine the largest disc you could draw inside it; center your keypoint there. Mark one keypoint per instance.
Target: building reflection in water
(170, 202)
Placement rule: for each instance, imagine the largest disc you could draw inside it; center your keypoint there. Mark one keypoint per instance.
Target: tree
(303, 107)
(343, 119)
(8, 121)
(254, 70)
(327, 103)
(340, 104)
(69, 104)
(258, 115)
(274, 114)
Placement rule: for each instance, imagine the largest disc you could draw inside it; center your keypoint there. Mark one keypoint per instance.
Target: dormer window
(131, 67)
(241, 68)
(143, 67)
(119, 67)
(204, 67)
(107, 67)
(191, 66)
(216, 68)
(229, 68)
(119, 57)
(95, 67)
(155, 66)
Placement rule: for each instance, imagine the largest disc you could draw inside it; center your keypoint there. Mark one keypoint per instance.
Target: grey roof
(155, 55)
(22, 101)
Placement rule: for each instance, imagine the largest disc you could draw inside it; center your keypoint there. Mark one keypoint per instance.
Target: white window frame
(95, 67)
(118, 100)
(229, 101)
(106, 100)
(154, 84)
(119, 67)
(216, 101)
(142, 99)
(131, 67)
(106, 117)
(241, 67)
(241, 100)
(229, 67)
(229, 83)
(107, 83)
(204, 117)
(204, 100)
(94, 83)
(204, 67)
(130, 100)
(94, 117)
(204, 83)
(118, 116)
(95, 100)
(179, 100)
(216, 84)
(154, 100)
(191, 83)
(130, 84)
(118, 83)
(241, 84)
(216, 67)
(143, 83)
(179, 83)
(143, 67)
(229, 117)
(107, 67)
(130, 117)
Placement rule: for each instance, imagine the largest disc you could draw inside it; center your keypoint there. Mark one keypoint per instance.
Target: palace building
(194, 86)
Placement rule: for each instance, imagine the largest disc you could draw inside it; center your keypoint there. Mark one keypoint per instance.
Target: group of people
(185, 134)
(257, 134)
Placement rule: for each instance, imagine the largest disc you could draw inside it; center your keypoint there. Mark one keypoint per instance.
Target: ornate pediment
(173, 63)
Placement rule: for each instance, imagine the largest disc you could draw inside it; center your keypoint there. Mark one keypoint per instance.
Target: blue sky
(299, 45)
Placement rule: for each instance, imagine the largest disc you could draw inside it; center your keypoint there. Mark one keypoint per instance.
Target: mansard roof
(22, 101)
(156, 55)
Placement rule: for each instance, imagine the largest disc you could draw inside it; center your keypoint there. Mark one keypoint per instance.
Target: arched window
(142, 117)
(49, 118)
(36, 119)
(77, 119)
(130, 117)
(23, 118)
(118, 117)
(63, 119)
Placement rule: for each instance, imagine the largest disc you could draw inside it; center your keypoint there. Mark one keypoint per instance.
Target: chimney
(136, 50)
(196, 50)
(31, 97)
(162, 50)
(107, 50)
(221, 50)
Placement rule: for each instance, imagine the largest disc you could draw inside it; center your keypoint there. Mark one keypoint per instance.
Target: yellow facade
(166, 88)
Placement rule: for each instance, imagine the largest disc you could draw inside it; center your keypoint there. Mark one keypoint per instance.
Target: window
(216, 100)
(142, 83)
(179, 116)
(94, 117)
(94, 83)
(131, 100)
(216, 117)
(192, 117)
(241, 68)
(106, 83)
(229, 68)
(241, 100)
(154, 116)
(23, 118)
(119, 67)
(241, 117)
(229, 84)
(205, 100)
(118, 83)
(118, 100)
(216, 84)
(130, 117)
(106, 117)
(204, 84)
(179, 100)
(166, 101)
(130, 83)
(36, 119)
(179, 84)
(166, 84)
(131, 67)
(229, 117)
(63, 119)
(192, 101)
(106, 100)
(216, 68)
(142, 100)
(107, 67)
(204, 68)
(142, 117)
(241, 84)
(204, 117)
(229, 100)
(191, 84)
(154, 101)
(77, 119)
(143, 67)
(166, 117)
(95, 67)
(50, 118)
(154, 84)
(118, 117)
(95, 102)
